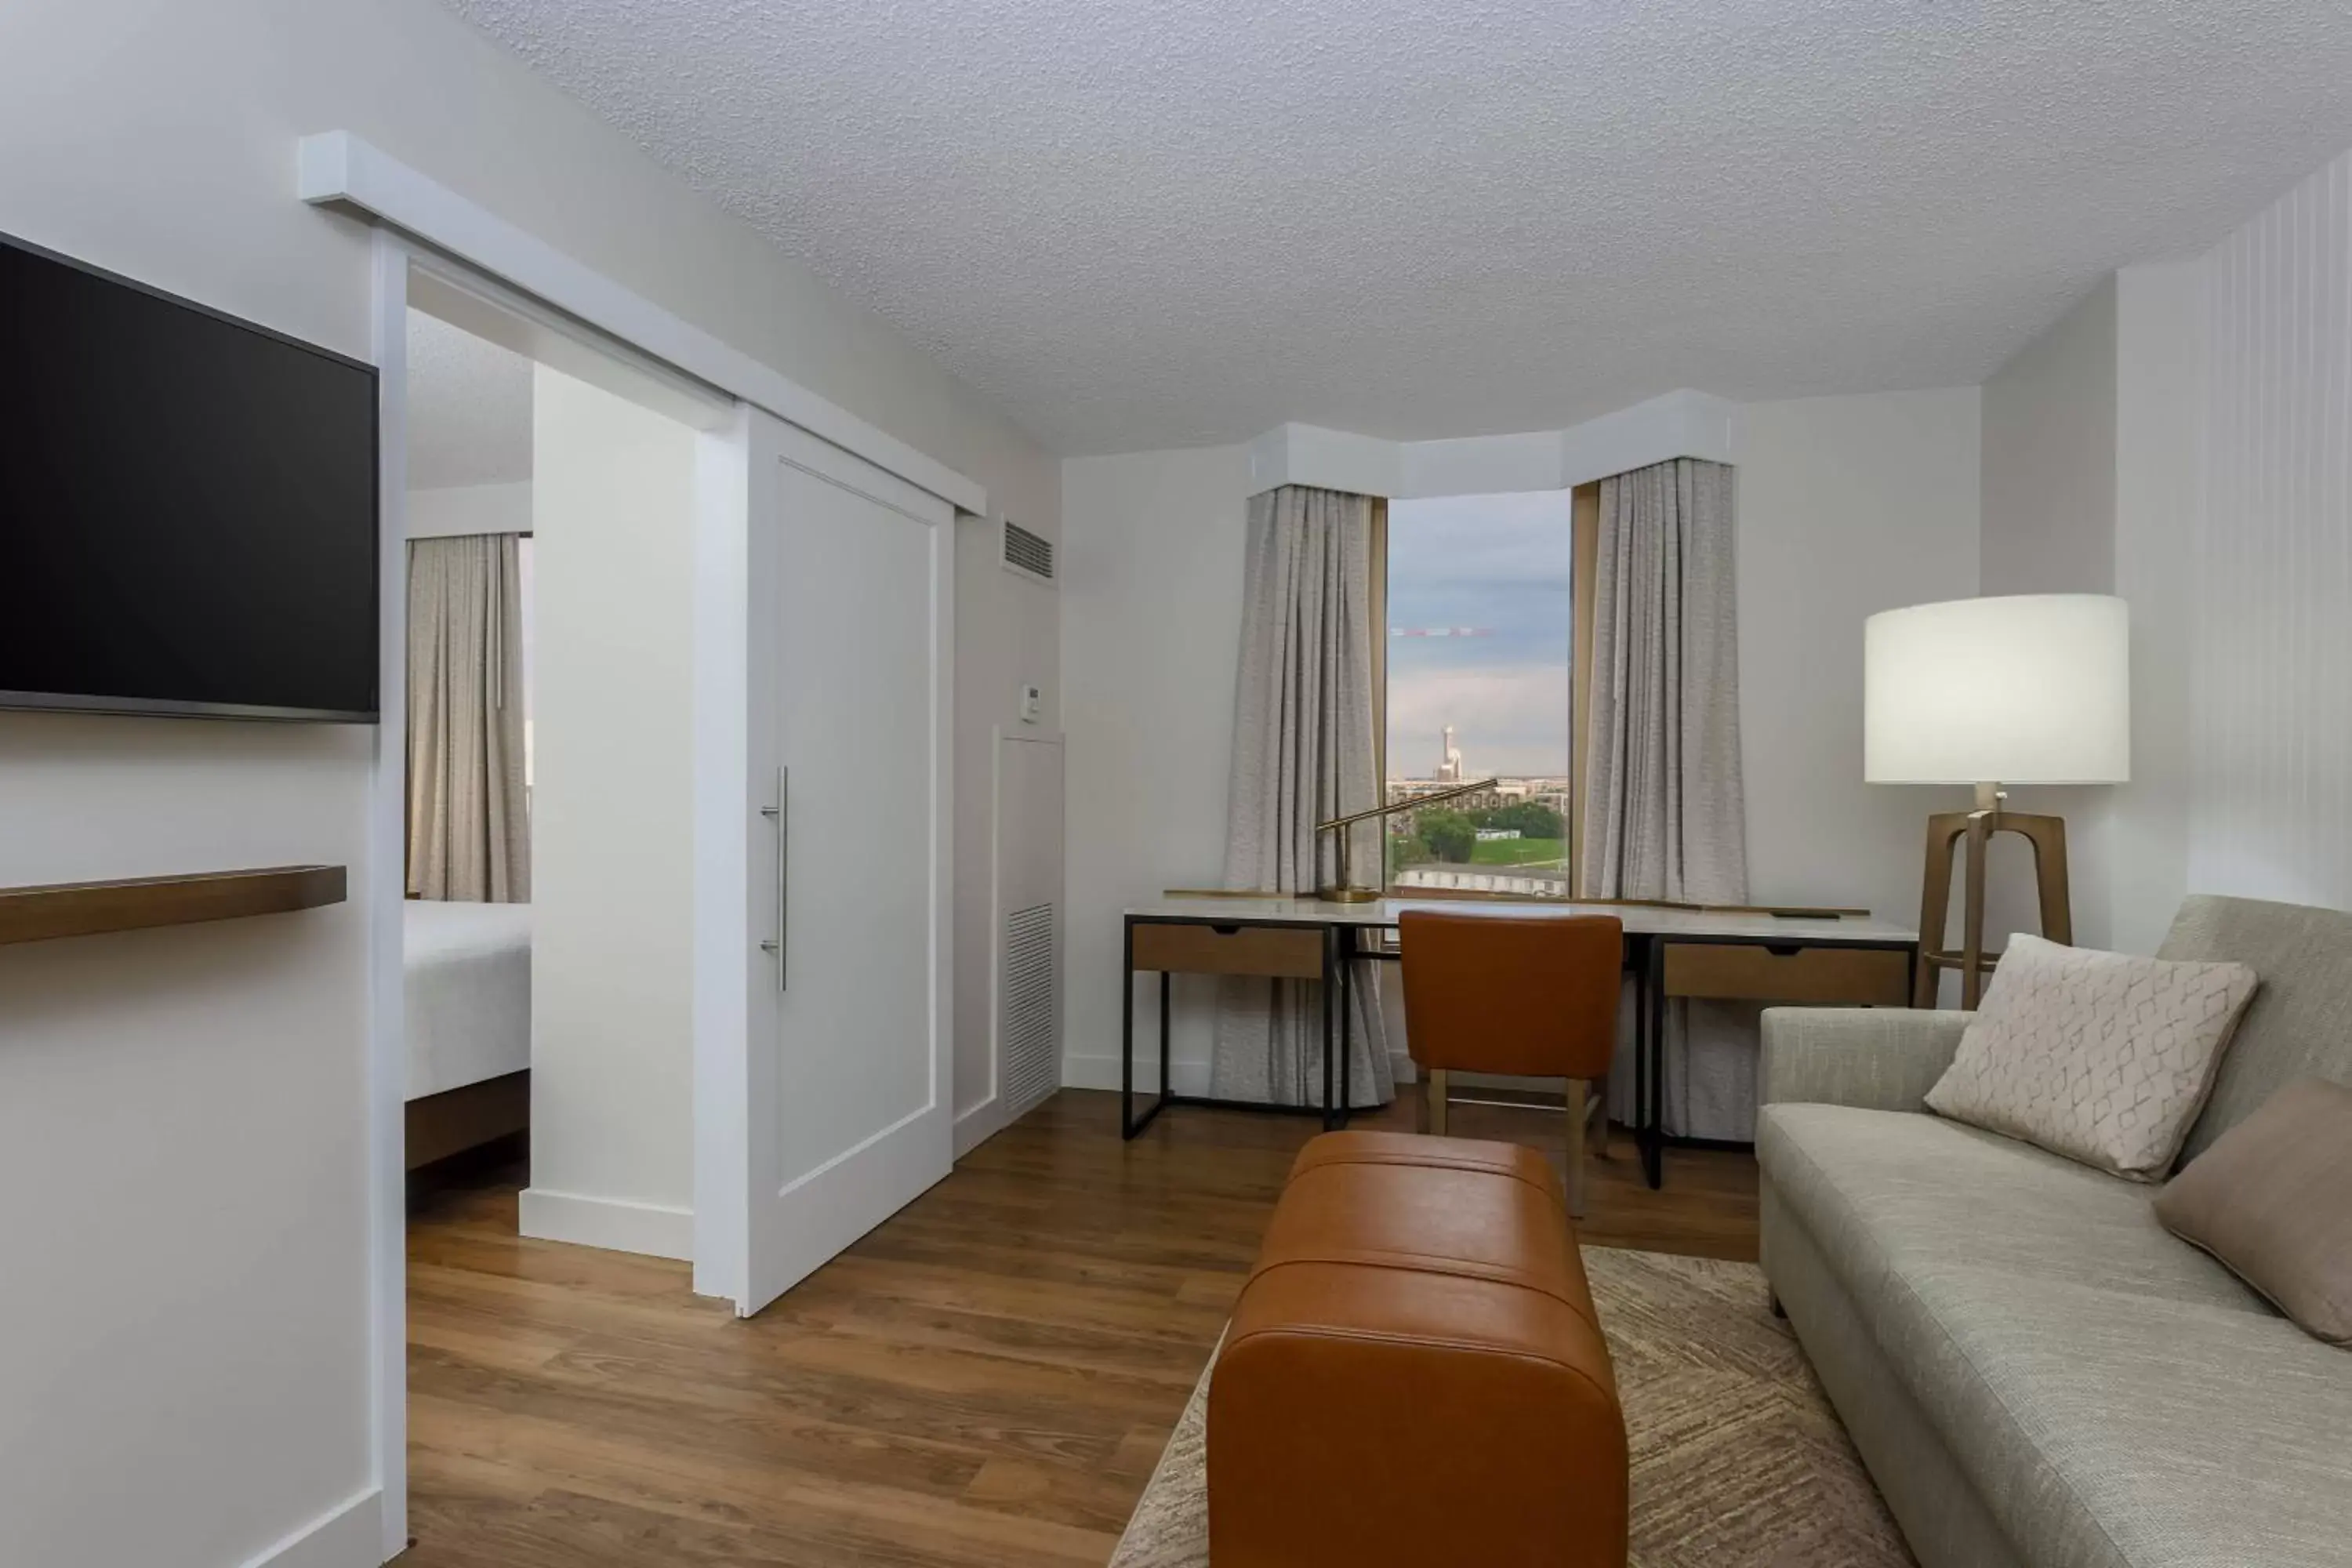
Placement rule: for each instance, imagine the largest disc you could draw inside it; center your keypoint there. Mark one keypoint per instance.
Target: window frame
(1584, 546)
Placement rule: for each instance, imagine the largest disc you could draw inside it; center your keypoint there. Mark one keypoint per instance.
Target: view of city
(1479, 610)
(1499, 839)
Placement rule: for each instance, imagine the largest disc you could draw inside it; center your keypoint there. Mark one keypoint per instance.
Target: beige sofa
(2035, 1372)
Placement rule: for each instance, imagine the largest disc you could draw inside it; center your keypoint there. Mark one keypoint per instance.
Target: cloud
(1499, 564)
(1507, 719)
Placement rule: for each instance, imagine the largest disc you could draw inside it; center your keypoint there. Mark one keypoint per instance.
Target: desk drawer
(1879, 977)
(1291, 952)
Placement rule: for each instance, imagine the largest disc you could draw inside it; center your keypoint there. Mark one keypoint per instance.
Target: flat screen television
(188, 505)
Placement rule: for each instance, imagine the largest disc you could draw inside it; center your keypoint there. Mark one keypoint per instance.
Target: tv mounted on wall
(188, 505)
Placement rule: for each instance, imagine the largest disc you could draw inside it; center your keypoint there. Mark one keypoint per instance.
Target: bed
(468, 996)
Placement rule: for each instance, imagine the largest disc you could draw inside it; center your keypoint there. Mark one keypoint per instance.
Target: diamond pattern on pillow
(2100, 1057)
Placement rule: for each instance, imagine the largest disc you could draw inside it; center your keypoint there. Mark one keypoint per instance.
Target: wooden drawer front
(1879, 977)
(1291, 952)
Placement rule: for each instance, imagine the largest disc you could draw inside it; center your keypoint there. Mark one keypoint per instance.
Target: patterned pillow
(2099, 1057)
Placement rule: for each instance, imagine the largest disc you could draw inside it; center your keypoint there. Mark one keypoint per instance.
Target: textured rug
(1738, 1461)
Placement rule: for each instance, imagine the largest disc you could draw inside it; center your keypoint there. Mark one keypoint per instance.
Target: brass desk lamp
(1347, 892)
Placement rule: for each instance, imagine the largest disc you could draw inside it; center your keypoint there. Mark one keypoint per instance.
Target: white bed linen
(468, 989)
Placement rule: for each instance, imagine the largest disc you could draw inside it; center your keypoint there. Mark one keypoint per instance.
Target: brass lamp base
(1349, 895)
(2048, 836)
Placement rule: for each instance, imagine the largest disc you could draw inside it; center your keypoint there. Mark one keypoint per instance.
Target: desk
(1674, 953)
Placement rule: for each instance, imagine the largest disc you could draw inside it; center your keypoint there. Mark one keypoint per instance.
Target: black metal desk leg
(1127, 1128)
(1638, 961)
(1331, 983)
(1346, 938)
(1166, 1089)
(1653, 1114)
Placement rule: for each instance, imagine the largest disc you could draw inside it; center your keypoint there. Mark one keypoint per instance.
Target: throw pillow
(2100, 1057)
(2273, 1200)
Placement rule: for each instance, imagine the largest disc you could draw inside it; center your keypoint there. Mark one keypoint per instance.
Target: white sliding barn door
(845, 1069)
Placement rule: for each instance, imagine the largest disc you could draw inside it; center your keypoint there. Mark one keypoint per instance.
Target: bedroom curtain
(1305, 750)
(1661, 810)
(468, 834)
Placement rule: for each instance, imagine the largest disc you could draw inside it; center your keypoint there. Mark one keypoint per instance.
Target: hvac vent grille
(1028, 552)
(1032, 1056)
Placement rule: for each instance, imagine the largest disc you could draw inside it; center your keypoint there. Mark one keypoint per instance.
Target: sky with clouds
(1498, 564)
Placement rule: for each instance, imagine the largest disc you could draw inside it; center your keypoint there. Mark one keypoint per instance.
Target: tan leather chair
(1527, 996)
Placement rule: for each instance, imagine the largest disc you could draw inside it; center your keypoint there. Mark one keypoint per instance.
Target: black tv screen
(188, 505)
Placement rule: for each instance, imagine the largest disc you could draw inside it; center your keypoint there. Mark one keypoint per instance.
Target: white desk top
(1639, 919)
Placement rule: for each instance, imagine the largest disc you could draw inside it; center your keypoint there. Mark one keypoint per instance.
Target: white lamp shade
(2035, 689)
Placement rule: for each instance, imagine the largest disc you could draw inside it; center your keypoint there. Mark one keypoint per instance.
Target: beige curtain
(468, 834)
(1661, 815)
(1304, 750)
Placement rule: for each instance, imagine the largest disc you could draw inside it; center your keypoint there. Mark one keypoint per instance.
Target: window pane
(1479, 603)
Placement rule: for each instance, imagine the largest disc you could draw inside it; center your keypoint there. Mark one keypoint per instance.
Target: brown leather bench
(1414, 1374)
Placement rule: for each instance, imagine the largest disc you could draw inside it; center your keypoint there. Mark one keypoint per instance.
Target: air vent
(1030, 554)
(1032, 1056)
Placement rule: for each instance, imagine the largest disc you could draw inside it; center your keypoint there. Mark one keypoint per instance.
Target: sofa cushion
(2102, 1056)
(2114, 1396)
(2273, 1200)
(1881, 1189)
(2299, 1023)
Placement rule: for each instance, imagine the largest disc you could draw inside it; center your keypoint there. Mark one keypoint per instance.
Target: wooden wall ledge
(87, 909)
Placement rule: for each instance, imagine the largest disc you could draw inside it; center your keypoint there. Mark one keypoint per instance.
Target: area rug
(1738, 1461)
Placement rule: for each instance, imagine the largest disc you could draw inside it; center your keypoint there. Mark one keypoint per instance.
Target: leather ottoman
(1414, 1374)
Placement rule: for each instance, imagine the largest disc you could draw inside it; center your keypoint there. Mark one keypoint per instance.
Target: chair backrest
(1534, 995)
(2299, 1023)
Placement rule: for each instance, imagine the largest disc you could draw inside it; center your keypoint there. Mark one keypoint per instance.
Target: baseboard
(979, 1124)
(350, 1535)
(616, 1225)
(1190, 1076)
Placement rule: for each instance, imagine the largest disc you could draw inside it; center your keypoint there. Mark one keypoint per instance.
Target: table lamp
(2034, 688)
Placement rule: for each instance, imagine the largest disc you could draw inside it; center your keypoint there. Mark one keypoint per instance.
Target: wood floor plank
(985, 1382)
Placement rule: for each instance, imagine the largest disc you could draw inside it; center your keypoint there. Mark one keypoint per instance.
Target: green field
(1516, 851)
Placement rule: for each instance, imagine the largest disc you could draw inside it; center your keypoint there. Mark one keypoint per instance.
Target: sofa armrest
(1879, 1058)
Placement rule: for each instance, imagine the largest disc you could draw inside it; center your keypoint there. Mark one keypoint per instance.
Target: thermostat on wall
(1032, 703)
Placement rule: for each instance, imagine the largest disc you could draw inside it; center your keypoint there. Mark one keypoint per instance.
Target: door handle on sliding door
(781, 814)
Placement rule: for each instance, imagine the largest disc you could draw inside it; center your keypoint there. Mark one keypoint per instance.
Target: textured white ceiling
(1145, 223)
(469, 407)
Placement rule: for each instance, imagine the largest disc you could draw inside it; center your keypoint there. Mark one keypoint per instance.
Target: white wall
(1847, 505)
(445, 509)
(2159, 487)
(2049, 464)
(184, 1377)
(2272, 676)
(205, 1087)
(1151, 615)
(2230, 438)
(1007, 636)
(2050, 484)
(612, 1108)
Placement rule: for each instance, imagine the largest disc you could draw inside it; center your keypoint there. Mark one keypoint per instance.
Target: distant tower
(1449, 766)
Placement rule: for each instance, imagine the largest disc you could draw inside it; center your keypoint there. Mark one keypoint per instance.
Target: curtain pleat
(1305, 750)
(1662, 813)
(469, 839)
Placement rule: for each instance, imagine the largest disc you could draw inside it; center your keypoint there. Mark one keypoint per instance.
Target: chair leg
(1433, 1102)
(1576, 1099)
(1596, 1119)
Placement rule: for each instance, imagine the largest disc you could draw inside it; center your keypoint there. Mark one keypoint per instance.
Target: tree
(1407, 850)
(1448, 833)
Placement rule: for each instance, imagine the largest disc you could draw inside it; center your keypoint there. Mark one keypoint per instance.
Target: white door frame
(465, 246)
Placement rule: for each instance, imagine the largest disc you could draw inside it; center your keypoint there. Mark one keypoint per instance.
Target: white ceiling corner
(1144, 223)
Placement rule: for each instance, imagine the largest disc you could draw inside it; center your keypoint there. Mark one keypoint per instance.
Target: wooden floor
(987, 1379)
